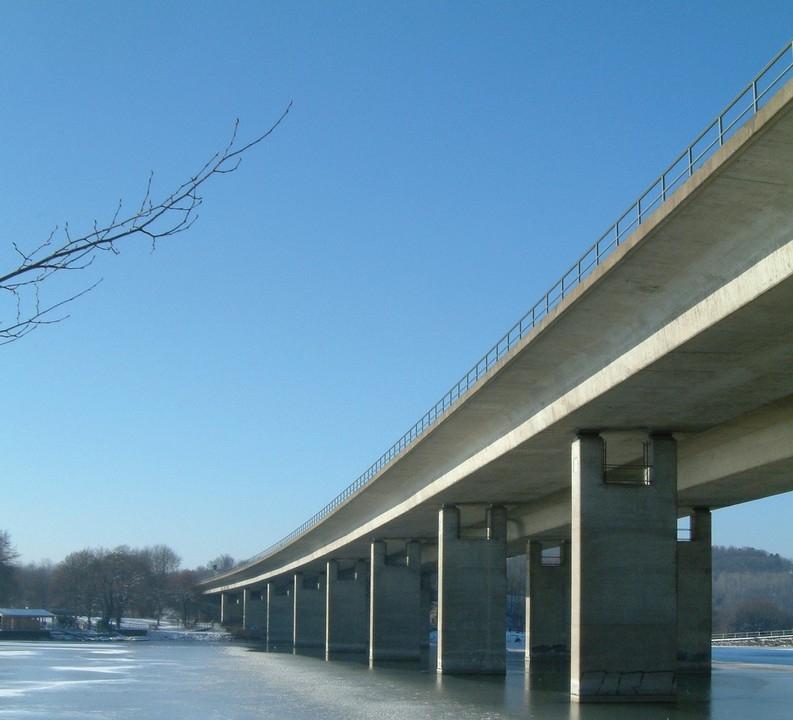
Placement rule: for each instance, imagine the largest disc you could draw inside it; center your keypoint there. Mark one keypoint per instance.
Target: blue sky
(442, 165)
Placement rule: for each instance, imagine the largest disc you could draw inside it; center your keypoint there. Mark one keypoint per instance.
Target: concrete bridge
(654, 382)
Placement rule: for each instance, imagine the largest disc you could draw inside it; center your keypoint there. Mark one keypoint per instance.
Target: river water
(224, 681)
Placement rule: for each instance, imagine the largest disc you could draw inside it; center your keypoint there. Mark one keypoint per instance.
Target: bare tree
(8, 555)
(220, 564)
(76, 582)
(8, 552)
(34, 585)
(163, 564)
(187, 599)
(152, 221)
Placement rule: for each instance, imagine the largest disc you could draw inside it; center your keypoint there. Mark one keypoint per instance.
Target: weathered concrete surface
(395, 603)
(472, 592)
(744, 459)
(694, 596)
(686, 328)
(309, 612)
(624, 578)
(547, 603)
(280, 616)
(347, 608)
(254, 612)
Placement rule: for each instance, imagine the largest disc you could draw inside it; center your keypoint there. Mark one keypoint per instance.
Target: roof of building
(25, 612)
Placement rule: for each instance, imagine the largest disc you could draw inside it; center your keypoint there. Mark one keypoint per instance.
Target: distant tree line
(752, 590)
(105, 585)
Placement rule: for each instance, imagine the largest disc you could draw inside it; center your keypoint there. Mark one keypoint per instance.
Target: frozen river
(219, 681)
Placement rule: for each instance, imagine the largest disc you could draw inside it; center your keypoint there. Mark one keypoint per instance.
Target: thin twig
(172, 215)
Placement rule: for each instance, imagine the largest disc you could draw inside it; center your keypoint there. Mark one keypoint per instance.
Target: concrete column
(254, 614)
(472, 592)
(694, 590)
(223, 610)
(395, 604)
(547, 603)
(209, 609)
(280, 622)
(309, 611)
(230, 609)
(346, 610)
(624, 577)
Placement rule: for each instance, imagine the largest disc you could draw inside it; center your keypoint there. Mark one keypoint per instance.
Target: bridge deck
(686, 328)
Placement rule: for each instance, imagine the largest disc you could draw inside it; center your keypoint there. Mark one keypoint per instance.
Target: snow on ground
(168, 631)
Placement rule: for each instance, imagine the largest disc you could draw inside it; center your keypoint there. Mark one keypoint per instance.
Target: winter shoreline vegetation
(103, 585)
(752, 589)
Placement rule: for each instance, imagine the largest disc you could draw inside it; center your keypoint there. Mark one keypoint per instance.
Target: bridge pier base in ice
(254, 612)
(346, 612)
(230, 609)
(547, 601)
(624, 577)
(472, 586)
(395, 604)
(694, 590)
(309, 612)
(280, 616)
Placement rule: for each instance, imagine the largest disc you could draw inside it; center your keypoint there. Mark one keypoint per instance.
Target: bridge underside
(673, 364)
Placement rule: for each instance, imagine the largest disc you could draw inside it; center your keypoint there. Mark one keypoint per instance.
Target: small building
(25, 619)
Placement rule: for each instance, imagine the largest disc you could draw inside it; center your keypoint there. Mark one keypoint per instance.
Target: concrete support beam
(472, 587)
(309, 611)
(254, 612)
(395, 604)
(694, 590)
(230, 609)
(280, 616)
(624, 577)
(547, 602)
(346, 609)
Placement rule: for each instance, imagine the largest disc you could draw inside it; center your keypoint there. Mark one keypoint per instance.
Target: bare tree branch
(152, 220)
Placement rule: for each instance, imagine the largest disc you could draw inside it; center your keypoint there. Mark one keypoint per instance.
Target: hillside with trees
(752, 590)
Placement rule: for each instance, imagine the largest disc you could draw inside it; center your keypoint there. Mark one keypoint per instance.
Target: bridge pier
(547, 602)
(254, 612)
(230, 610)
(624, 577)
(209, 611)
(346, 611)
(395, 604)
(280, 616)
(694, 590)
(472, 587)
(309, 612)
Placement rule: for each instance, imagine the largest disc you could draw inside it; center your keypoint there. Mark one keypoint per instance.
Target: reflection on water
(153, 681)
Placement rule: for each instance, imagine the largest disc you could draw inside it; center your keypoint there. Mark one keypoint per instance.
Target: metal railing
(745, 105)
(752, 635)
